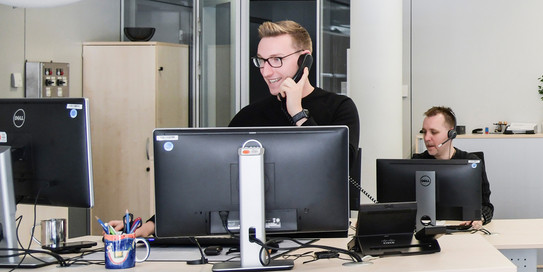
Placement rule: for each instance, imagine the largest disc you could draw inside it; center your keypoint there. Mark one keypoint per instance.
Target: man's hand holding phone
(291, 92)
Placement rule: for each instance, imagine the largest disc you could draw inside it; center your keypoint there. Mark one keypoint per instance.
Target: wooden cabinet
(133, 87)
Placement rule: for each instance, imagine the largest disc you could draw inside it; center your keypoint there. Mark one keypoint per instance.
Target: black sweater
(487, 208)
(325, 108)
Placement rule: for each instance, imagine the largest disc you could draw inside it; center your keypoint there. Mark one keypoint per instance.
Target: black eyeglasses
(274, 62)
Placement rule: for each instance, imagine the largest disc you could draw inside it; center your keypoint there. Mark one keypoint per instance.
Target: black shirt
(325, 108)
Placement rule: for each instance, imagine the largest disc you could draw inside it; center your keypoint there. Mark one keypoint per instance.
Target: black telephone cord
(368, 195)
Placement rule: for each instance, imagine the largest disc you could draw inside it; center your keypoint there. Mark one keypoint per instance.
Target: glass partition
(217, 92)
(336, 32)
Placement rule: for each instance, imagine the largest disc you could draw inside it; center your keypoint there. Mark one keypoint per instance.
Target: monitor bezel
(391, 187)
(44, 128)
(165, 217)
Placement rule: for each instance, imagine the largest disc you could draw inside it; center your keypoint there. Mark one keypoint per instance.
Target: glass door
(218, 58)
(304, 12)
(335, 40)
(227, 36)
(328, 24)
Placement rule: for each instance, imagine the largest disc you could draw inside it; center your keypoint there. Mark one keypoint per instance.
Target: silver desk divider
(252, 214)
(425, 185)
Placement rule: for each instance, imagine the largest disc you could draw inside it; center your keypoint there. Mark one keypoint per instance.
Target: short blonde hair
(300, 36)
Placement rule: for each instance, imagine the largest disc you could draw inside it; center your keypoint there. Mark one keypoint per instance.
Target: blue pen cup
(120, 251)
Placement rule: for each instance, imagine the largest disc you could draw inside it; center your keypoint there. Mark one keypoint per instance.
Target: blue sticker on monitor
(168, 146)
(73, 113)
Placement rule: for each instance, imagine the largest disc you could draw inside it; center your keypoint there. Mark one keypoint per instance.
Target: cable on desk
(24, 252)
(483, 230)
(78, 259)
(224, 220)
(354, 256)
(266, 247)
(28, 251)
(297, 256)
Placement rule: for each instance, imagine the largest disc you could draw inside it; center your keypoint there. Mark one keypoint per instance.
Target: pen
(104, 227)
(112, 230)
(135, 225)
(127, 222)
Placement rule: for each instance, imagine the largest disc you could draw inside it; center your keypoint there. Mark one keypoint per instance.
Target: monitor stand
(252, 215)
(8, 238)
(425, 185)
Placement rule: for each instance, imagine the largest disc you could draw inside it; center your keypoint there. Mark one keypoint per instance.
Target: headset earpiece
(452, 134)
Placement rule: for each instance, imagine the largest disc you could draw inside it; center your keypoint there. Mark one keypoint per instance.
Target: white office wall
(375, 81)
(55, 34)
(11, 49)
(482, 58)
(45, 34)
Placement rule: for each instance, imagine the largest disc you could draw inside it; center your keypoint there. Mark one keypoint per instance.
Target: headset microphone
(451, 134)
(441, 144)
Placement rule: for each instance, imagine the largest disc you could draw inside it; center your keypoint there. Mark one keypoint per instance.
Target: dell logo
(425, 180)
(19, 118)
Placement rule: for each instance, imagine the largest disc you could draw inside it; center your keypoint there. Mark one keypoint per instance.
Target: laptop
(387, 229)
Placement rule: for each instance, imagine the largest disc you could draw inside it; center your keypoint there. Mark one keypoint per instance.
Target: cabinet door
(120, 84)
(172, 86)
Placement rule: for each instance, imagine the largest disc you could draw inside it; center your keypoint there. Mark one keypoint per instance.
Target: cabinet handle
(147, 148)
(161, 68)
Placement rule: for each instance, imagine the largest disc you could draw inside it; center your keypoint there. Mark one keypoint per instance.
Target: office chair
(355, 178)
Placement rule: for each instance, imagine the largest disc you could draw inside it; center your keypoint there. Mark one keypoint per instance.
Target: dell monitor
(45, 158)
(305, 179)
(457, 185)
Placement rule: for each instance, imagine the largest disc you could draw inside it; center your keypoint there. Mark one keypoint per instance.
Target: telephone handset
(305, 60)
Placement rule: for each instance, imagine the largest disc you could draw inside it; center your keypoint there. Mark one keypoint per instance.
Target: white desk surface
(458, 253)
(515, 233)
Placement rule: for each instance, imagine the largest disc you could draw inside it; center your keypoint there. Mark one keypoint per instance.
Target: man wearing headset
(438, 129)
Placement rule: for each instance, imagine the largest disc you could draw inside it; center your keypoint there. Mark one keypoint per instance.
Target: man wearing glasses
(294, 103)
(281, 45)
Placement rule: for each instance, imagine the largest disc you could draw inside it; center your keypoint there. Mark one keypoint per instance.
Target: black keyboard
(186, 241)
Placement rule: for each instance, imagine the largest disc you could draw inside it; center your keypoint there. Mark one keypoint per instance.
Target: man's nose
(426, 137)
